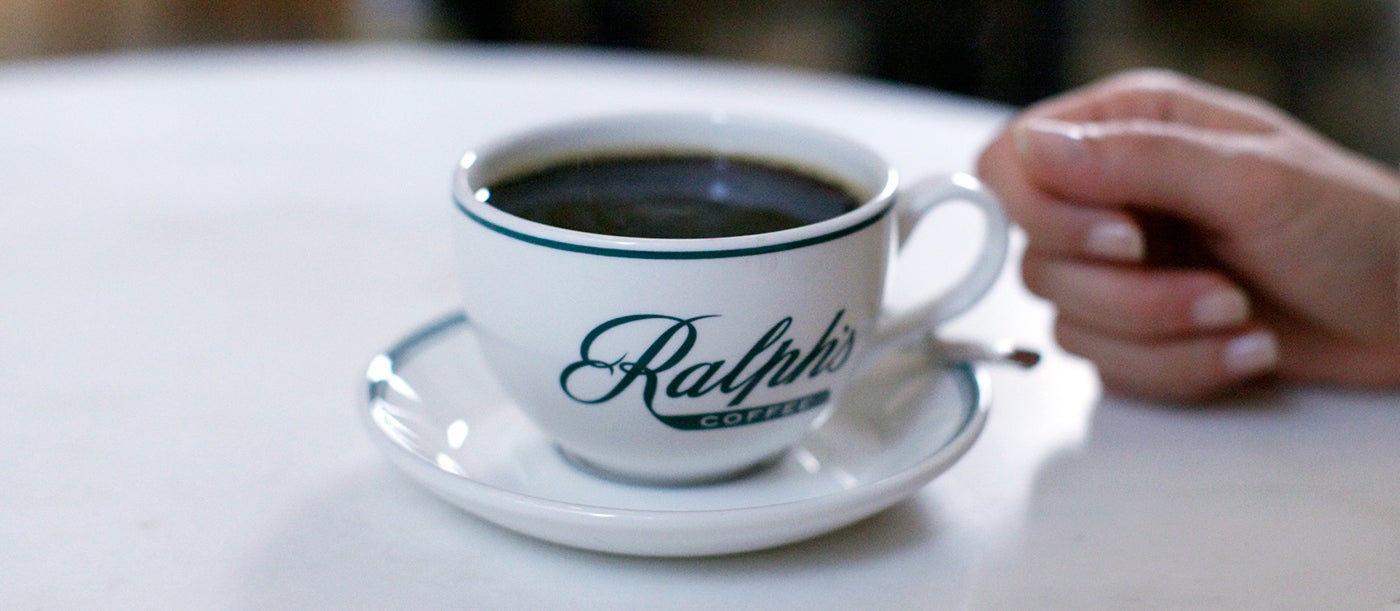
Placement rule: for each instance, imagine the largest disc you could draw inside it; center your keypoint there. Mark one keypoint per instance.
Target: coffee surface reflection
(662, 196)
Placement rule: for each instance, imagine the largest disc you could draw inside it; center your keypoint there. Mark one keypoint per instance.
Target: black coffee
(671, 197)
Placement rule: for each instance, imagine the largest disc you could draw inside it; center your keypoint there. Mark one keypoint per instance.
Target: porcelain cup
(685, 361)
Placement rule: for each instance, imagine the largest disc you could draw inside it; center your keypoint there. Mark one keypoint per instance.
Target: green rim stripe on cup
(671, 254)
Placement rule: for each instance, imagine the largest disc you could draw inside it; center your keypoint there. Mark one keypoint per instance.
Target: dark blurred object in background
(59, 27)
(1333, 63)
(1005, 50)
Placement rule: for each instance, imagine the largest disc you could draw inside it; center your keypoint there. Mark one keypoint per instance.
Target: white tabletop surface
(202, 250)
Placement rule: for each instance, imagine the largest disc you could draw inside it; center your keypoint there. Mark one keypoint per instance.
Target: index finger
(1223, 180)
(1161, 96)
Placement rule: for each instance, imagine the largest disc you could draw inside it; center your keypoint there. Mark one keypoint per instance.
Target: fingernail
(1050, 141)
(1116, 240)
(1223, 307)
(1251, 353)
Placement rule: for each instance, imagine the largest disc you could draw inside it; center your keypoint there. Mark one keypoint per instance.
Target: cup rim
(713, 132)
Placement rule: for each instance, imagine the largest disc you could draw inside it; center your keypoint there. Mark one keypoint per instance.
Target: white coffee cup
(680, 361)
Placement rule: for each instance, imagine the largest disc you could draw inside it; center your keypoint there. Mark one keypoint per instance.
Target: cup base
(636, 479)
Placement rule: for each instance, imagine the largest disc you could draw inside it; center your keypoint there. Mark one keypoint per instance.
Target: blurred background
(1334, 63)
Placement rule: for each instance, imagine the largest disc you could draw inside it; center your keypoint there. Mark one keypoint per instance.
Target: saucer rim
(821, 513)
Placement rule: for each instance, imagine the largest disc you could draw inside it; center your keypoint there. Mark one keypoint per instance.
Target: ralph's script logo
(662, 344)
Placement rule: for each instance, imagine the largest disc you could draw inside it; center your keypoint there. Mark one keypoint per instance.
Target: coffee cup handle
(913, 206)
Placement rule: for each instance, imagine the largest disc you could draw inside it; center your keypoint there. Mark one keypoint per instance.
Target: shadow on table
(1272, 500)
(374, 540)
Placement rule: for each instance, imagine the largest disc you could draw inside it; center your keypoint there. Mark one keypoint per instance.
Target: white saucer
(437, 414)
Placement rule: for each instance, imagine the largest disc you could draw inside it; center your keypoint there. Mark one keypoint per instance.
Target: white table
(202, 251)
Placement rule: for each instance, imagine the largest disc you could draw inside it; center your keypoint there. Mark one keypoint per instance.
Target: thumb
(1202, 175)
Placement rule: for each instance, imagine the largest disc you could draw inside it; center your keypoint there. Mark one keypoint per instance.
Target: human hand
(1193, 238)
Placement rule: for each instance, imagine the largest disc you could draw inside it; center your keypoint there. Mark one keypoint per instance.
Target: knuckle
(1266, 176)
(1150, 79)
(1154, 93)
(1149, 310)
(1069, 337)
(1130, 319)
(1140, 306)
(1033, 275)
